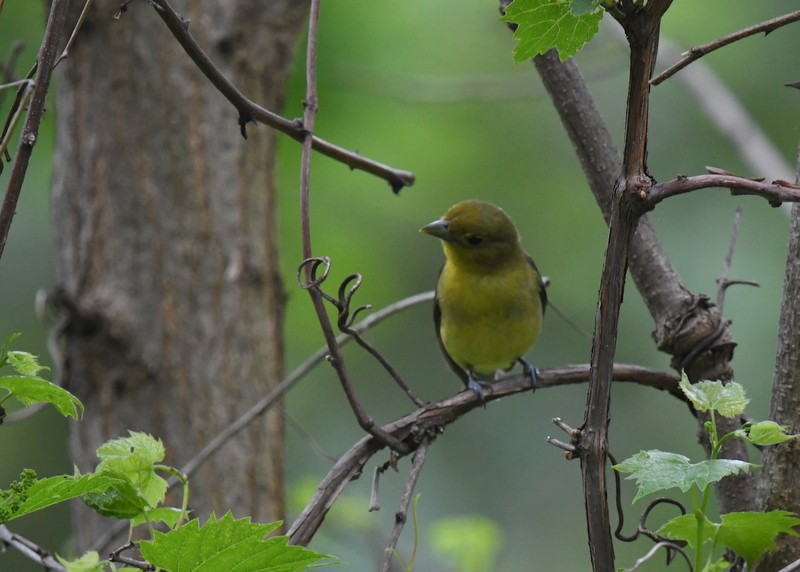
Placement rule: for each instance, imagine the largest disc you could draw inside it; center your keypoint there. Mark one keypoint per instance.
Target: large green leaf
(225, 545)
(657, 470)
(546, 24)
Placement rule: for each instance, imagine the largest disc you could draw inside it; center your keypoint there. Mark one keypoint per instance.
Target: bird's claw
(479, 387)
(531, 372)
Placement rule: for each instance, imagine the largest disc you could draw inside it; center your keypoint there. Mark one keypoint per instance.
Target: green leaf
(684, 527)
(752, 534)
(227, 544)
(53, 490)
(765, 433)
(546, 24)
(4, 350)
(657, 470)
(166, 514)
(123, 500)
(89, 562)
(24, 363)
(29, 390)
(727, 399)
(583, 7)
(133, 458)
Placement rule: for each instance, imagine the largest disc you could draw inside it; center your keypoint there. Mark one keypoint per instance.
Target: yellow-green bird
(490, 298)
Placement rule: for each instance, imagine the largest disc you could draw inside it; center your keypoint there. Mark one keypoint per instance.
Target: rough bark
(780, 470)
(167, 242)
(683, 320)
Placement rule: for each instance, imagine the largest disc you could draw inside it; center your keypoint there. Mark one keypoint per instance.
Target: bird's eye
(474, 239)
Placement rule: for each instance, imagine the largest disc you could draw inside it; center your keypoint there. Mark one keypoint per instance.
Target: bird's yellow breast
(489, 320)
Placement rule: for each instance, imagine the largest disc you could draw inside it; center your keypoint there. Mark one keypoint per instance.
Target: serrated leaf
(765, 433)
(89, 562)
(546, 24)
(752, 534)
(684, 527)
(133, 458)
(728, 399)
(25, 363)
(583, 7)
(29, 390)
(657, 470)
(226, 544)
(123, 500)
(53, 490)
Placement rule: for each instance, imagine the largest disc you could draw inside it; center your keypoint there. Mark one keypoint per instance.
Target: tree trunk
(780, 472)
(167, 242)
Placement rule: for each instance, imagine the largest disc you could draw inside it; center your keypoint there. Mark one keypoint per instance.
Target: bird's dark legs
(530, 372)
(477, 386)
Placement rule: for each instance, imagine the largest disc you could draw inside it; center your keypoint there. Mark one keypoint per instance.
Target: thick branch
(250, 111)
(780, 471)
(435, 416)
(682, 319)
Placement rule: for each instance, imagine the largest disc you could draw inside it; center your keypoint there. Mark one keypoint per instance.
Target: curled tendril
(347, 290)
(307, 272)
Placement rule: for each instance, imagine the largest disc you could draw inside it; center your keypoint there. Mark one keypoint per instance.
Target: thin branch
(775, 193)
(435, 416)
(343, 304)
(698, 52)
(401, 515)
(30, 129)
(75, 30)
(310, 264)
(29, 549)
(250, 111)
(791, 567)
(116, 556)
(652, 552)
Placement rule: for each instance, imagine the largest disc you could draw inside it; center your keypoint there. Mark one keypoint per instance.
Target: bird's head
(477, 234)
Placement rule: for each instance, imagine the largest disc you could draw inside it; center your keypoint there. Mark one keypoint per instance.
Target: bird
(490, 297)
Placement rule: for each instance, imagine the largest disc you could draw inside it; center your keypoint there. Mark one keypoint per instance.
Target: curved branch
(434, 416)
(698, 52)
(775, 193)
(251, 111)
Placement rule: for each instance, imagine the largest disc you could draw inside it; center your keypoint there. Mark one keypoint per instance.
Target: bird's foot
(479, 387)
(530, 372)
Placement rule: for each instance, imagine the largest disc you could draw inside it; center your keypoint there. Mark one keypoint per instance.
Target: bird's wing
(437, 321)
(542, 290)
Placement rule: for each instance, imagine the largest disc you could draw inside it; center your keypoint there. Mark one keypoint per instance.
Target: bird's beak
(439, 228)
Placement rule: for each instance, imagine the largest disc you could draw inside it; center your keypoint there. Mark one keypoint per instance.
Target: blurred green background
(431, 87)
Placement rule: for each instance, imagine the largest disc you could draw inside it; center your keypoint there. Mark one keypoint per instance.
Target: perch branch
(250, 111)
(437, 415)
(698, 52)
